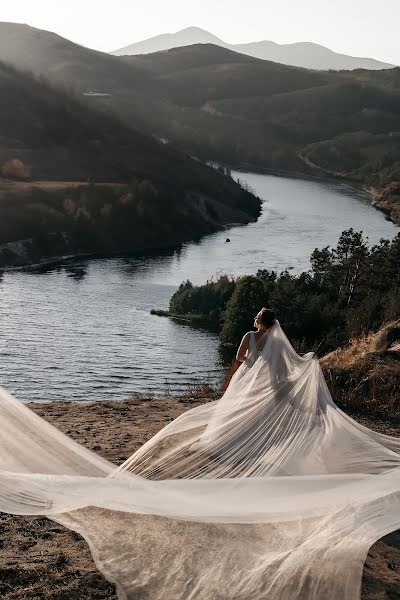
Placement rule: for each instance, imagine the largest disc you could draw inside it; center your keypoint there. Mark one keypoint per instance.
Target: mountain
(309, 56)
(166, 41)
(238, 109)
(227, 107)
(47, 54)
(300, 54)
(193, 75)
(74, 179)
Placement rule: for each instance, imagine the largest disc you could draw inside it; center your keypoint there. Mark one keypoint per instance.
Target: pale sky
(357, 27)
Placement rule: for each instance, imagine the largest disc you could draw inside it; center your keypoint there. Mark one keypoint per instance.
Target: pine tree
(246, 301)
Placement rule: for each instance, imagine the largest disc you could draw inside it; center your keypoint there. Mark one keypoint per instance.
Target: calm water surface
(84, 332)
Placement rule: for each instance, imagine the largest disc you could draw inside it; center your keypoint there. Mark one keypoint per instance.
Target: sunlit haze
(355, 27)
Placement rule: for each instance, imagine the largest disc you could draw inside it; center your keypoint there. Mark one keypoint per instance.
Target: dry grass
(364, 380)
(349, 356)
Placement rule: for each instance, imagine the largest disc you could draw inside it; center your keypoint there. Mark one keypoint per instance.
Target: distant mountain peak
(196, 31)
(165, 41)
(192, 28)
(299, 54)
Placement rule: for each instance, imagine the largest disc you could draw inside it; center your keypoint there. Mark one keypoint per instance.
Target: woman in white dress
(270, 493)
(252, 343)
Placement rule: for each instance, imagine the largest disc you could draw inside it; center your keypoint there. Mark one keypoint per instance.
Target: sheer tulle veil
(271, 492)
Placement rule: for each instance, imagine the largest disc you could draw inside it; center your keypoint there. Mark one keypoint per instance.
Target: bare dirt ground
(39, 559)
(16, 185)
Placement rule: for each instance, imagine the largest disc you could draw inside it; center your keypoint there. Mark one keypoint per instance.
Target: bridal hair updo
(267, 317)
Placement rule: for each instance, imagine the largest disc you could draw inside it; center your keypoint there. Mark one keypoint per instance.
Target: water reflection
(76, 272)
(144, 263)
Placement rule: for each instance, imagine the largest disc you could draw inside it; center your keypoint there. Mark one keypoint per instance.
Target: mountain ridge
(222, 106)
(309, 55)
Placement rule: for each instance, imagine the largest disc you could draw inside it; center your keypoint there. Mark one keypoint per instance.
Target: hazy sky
(356, 27)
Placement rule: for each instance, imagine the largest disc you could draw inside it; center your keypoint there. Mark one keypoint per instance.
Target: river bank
(385, 198)
(213, 216)
(47, 220)
(39, 559)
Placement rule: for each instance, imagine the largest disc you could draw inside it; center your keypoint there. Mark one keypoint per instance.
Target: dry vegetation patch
(364, 377)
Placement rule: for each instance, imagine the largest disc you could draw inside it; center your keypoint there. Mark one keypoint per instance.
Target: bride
(270, 493)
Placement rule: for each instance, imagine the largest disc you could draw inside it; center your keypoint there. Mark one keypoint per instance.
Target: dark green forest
(60, 137)
(241, 110)
(74, 179)
(350, 289)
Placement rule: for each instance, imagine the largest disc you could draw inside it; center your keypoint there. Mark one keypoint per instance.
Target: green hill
(214, 73)
(240, 110)
(220, 105)
(74, 179)
(284, 109)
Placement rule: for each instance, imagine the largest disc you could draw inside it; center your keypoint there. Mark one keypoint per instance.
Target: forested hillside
(220, 105)
(74, 179)
(269, 114)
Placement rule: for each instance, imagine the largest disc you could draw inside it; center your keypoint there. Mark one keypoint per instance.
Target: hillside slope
(83, 178)
(48, 54)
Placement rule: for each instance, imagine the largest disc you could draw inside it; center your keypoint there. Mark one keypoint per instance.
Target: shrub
(206, 301)
(15, 168)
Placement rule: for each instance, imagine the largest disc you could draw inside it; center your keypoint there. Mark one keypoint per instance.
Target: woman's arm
(243, 348)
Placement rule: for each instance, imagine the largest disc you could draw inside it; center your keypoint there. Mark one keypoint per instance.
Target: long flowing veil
(272, 492)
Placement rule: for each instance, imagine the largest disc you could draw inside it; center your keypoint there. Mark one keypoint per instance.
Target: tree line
(350, 289)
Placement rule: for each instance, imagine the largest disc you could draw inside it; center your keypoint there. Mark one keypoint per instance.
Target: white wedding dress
(270, 493)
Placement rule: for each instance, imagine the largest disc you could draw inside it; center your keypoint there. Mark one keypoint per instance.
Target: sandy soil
(39, 559)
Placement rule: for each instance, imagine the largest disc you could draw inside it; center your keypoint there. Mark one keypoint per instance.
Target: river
(83, 331)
